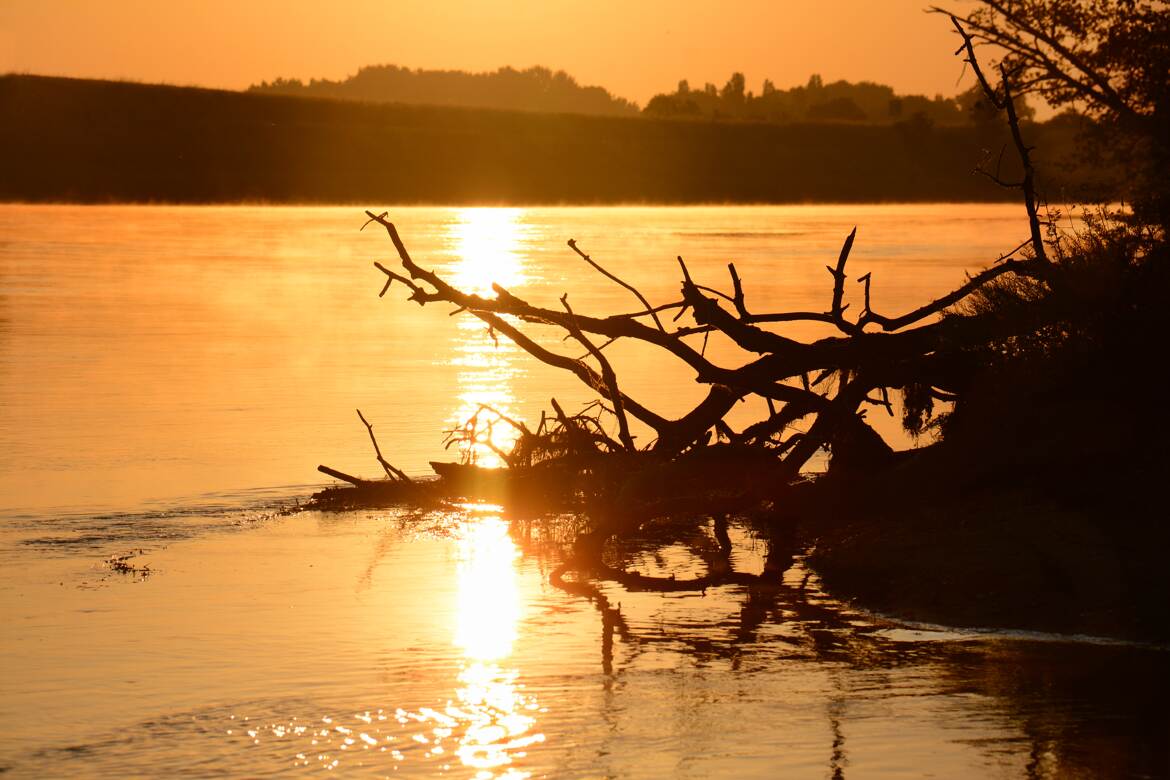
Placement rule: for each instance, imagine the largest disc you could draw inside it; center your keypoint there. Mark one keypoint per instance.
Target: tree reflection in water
(1030, 681)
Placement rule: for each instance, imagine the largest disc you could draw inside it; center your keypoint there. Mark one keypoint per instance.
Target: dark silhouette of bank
(1041, 504)
(99, 141)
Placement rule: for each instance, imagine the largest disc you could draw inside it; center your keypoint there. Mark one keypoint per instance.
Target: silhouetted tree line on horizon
(541, 89)
(532, 89)
(816, 101)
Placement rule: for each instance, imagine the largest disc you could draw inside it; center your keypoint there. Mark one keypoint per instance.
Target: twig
(649, 309)
(737, 298)
(391, 472)
(608, 375)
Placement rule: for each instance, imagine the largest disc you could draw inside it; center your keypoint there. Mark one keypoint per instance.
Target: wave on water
(911, 631)
(69, 531)
(739, 234)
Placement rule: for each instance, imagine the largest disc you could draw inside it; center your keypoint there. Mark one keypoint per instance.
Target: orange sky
(634, 48)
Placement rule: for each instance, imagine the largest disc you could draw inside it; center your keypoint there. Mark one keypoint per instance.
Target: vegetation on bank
(1040, 505)
(532, 89)
(816, 101)
(542, 90)
(95, 141)
(1036, 507)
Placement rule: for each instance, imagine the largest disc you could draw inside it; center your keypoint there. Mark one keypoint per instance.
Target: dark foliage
(531, 89)
(816, 101)
(1107, 58)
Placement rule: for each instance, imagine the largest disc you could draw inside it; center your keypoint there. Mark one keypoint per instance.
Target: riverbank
(1003, 559)
(88, 141)
(1056, 534)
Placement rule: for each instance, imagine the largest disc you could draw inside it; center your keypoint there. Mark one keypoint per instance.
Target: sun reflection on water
(487, 726)
(489, 601)
(500, 717)
(486, 243)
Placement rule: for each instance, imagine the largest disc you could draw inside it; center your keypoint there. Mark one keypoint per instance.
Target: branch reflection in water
(486, 243)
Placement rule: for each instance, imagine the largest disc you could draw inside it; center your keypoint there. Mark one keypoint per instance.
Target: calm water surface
(151, 354)
(169, 379)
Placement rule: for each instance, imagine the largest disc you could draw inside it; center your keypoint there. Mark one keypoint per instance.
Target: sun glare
(489, 602)
(486, 242)
(500, 716)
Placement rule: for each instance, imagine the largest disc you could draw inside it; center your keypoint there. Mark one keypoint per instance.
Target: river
(171, 376)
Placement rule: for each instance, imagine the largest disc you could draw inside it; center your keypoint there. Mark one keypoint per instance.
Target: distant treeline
(100, 141)
(541, 89)
(816, 101)
(532, 89)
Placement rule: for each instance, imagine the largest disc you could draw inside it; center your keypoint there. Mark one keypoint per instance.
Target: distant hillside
(816, 101)
(101, 141)
(533, 89)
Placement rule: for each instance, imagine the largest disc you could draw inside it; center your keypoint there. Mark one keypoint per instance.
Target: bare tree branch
(607, 375)
(649, 309)
(391, 471)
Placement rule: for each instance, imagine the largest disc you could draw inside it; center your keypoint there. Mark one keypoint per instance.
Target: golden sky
(634, 48)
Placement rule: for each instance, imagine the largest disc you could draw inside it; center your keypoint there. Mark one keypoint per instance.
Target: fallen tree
(1037, 297)
(826, 383)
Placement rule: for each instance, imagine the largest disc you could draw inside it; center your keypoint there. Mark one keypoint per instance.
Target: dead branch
(607, 375)
(973, 283)
(355, 481)
(885, 359)
(649, 309)
(468, 434)
(519, 426)
(488, 310)
(837, 310)
(737, 297)
(1028, 184)
(391, 472)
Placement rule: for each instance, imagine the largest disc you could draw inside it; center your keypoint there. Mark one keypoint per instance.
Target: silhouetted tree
(733, 90)
(1110, 59)
(840, 101)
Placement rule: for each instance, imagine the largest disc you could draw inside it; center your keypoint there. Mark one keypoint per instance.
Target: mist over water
(170, 378)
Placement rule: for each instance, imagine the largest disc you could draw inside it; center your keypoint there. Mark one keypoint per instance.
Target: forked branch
(391, 471)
